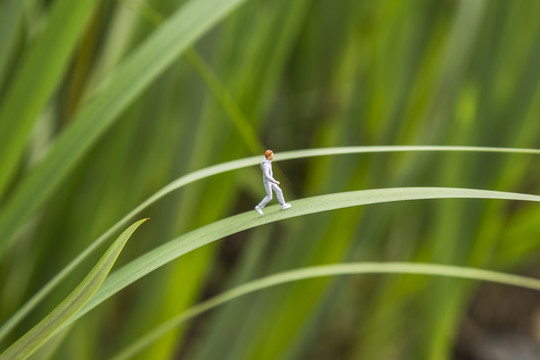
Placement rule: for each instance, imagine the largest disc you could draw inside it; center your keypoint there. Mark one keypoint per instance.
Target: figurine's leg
(268, 197)
(281, 199)
(279, 194)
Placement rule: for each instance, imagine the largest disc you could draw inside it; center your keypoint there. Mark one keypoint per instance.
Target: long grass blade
(323, 271)
(219, 169)
(38, 335)
(234, 224)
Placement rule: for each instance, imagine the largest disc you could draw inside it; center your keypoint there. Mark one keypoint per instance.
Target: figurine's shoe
(259, 210)
(285, 206)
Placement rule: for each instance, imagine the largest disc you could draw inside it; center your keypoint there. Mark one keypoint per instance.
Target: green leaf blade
(230, 166)
(234, 224)
(42, 332)
(460, 272)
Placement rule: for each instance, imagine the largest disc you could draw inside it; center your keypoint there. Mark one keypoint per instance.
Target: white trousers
(269, 186)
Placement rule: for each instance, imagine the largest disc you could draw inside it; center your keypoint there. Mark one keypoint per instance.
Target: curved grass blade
(323, 271)
(38, 335)
(219, 169)
(117, 92)
(167, 252)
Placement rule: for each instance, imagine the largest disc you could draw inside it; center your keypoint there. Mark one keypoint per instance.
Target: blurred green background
(282, 75)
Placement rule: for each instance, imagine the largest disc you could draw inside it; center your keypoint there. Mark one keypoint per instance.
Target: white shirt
(266, 167)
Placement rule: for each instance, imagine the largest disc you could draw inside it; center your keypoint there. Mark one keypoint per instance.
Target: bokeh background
(283, 75)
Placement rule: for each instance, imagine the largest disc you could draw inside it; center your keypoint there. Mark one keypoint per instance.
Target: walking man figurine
(270, 184)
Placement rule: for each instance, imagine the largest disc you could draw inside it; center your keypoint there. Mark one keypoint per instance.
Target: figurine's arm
(266, 172)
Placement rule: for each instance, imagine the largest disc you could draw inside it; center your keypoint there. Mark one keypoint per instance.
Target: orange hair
(267, 153)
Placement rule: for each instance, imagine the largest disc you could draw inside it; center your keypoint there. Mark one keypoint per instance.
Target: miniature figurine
(270, 184)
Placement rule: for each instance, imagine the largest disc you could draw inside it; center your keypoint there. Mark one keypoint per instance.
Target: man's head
(269, 154)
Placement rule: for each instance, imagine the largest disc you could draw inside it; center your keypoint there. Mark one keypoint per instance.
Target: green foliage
(42, 332)
(223, 228)
(321, 271)
(116, 93)
(161, 108)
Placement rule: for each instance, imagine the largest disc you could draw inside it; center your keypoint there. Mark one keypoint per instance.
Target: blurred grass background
(283, 75)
